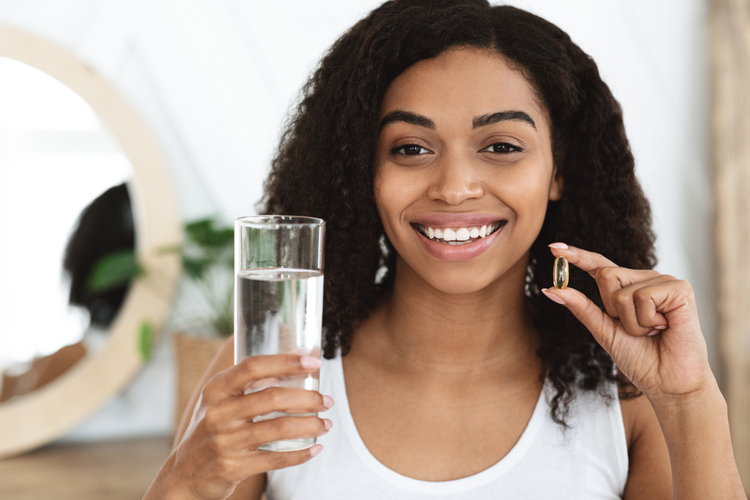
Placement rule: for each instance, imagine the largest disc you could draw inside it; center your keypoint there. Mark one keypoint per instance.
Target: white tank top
(588, 461)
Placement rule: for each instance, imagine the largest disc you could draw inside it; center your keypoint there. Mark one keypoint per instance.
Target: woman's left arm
(650, 328)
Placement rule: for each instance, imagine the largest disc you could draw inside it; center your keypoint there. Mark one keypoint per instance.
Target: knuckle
(642, 296)
(212, 420)
(318, 399)
(605, 273)
(249, 367)
(226, 465)
(220, 442)
(275, 396)
(281, 426)
(621, 298)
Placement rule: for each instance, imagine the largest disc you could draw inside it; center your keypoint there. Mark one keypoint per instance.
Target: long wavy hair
(324, 167)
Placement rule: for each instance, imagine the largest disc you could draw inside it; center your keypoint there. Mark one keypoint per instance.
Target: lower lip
(456, 253)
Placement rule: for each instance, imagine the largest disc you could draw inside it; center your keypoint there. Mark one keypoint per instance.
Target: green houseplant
(207, 259)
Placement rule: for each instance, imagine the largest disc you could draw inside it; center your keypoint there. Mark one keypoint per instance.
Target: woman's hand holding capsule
(220, 447)
(649, 326)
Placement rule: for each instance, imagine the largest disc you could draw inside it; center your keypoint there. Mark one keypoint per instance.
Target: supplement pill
(560, 273)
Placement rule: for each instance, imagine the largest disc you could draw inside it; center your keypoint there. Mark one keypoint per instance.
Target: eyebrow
(518, 116)
(480, 121)
(408, 117)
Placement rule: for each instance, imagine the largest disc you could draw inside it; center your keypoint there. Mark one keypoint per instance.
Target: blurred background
(214, 80)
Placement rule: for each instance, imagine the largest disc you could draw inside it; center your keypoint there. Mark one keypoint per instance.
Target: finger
(277, 399)
(610, 278)
(600, 324)
(285, 427)
(274, 460)
(594, 264)
(239, 378)
(636, 308)
(587, 261)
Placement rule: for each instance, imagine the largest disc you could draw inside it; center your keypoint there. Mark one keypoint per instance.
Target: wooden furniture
(113, 470)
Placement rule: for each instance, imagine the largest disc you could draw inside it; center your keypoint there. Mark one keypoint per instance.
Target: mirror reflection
(64, 204)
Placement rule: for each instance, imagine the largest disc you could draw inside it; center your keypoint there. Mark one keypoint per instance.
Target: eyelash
(506, 149)
(401, 150)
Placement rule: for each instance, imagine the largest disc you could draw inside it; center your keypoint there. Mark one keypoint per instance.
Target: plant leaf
(146, 339)
(204, 233)
(195, 267)
(113, 270)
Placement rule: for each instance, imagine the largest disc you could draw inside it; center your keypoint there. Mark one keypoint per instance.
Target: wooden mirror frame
(47, 413)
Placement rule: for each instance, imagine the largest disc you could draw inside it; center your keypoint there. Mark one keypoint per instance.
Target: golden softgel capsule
(560, 272)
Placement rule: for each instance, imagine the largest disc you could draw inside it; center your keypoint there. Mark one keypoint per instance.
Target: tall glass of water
(278, 263)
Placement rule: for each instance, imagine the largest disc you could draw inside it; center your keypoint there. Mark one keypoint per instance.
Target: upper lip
(456, 220)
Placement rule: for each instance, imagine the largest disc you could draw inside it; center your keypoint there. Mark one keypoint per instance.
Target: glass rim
(279, 220)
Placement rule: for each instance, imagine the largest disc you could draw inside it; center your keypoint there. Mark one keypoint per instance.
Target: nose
(455, 182)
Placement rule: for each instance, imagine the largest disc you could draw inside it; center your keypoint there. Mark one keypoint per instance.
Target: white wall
(215, 79)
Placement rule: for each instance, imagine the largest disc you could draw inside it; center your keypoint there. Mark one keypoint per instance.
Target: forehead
(464, 81)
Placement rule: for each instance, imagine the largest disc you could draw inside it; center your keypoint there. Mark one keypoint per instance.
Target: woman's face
(463, 170)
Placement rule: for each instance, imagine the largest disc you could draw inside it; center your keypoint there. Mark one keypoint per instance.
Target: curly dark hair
(325, 168)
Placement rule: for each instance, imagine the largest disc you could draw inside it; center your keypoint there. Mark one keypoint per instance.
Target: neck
(423, 328)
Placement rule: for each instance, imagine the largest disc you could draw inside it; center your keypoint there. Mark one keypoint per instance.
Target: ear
(556, 187)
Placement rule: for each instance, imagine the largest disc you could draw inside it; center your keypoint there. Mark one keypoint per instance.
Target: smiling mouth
(459, 235)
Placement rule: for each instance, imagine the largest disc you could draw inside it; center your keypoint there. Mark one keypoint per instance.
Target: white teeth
(461, 235)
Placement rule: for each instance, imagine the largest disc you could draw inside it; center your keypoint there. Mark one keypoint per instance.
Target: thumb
(600, 324)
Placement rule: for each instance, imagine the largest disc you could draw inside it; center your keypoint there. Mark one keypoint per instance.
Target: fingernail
(653, 332)
(309, 362)
(327, 423)
(553, 297)
(328, 401)
(559, 246)
(315, 450)
(661, 327)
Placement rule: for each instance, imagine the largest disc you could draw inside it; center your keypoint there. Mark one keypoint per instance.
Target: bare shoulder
(650, 473)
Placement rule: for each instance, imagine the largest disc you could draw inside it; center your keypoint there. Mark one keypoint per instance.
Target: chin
(456, 282)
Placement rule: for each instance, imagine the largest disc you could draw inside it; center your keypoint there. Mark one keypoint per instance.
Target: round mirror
(81, 179)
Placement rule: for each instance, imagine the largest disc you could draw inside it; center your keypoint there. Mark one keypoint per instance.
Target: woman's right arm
(217, 454)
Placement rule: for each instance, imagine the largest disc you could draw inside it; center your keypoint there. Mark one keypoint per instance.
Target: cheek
(526, 193)
(393, 194)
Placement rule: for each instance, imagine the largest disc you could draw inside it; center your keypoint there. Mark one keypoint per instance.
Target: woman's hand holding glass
(220, 447)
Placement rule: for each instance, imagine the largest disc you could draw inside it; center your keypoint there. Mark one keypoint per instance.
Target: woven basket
(192, 356)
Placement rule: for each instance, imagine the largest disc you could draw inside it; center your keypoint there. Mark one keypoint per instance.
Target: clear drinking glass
(278, 264)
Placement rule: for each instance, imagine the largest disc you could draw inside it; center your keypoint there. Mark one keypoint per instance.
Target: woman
(452, 147)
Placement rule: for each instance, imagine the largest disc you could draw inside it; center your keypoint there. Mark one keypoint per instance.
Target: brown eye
(409, 150)
(503, 148)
